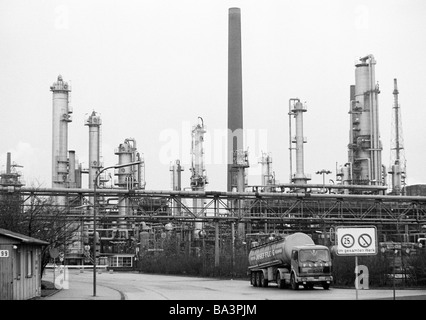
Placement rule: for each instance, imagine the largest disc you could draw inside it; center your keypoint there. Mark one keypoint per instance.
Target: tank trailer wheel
(260, 278)
(253, 279)
(280, 282)
(258, 282)
(263, 281)
(294, 284)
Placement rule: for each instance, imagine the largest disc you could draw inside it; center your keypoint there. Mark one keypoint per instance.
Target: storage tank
(279, 251)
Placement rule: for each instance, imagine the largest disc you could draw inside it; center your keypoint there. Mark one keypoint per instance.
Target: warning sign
(356, 241)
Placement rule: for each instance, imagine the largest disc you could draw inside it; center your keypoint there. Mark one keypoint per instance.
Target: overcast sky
(151, 68)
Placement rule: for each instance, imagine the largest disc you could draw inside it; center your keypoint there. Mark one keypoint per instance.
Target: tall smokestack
(8, 163)
(235, 96)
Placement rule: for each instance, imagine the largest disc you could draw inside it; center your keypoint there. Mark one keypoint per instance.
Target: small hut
(20, 263)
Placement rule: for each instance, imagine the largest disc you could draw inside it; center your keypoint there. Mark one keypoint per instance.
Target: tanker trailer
(293, 259)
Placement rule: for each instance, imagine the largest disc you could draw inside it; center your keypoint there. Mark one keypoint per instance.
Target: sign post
(357, 241)
(54, 253)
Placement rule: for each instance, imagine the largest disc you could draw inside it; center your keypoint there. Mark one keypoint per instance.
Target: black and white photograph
(213, 158)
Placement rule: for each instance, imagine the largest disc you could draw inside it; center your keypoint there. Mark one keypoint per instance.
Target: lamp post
(94, 214)
(323, 172)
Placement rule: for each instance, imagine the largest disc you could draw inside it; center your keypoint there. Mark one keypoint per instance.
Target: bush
(199, 261)
(417, 269)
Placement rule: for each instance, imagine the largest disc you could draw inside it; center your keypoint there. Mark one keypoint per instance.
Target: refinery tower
(365, 147)
(61, 116)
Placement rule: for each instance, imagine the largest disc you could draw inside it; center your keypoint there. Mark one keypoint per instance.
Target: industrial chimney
(235, 96)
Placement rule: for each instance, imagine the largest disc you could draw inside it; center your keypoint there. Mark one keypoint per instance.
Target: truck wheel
(263, 281)
(325, 285)
(253, 279)
(260, 278)
(280, 282)
(258, 283)
(294, 284)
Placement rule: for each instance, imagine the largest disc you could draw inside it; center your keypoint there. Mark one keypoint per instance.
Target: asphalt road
(137, 286)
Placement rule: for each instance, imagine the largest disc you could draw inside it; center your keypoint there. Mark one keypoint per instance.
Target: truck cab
(310, 265)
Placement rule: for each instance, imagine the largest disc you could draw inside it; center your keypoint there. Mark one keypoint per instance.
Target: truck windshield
(313, 255)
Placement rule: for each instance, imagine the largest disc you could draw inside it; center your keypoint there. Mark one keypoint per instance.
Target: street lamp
(323, 172)
(94, 214)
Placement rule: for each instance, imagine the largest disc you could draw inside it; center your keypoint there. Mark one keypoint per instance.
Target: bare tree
(38, 217)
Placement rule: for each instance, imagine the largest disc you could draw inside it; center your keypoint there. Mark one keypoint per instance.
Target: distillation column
(131, 177)
(198, 176)
(94, 123)
(397, 149)
(365, 146)
(11, 177)
(267, 176)
(176, 172)
(60, 119)
(296, 109)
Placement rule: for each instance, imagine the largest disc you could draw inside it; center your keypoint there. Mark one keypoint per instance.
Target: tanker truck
(290, 260)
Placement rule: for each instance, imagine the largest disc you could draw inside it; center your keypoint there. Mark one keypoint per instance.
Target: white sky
(151, 68)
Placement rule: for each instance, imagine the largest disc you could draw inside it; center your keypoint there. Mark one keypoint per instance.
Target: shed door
(6, 272)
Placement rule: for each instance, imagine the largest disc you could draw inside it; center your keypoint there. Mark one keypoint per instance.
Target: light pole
(323, 172)
(94, 214)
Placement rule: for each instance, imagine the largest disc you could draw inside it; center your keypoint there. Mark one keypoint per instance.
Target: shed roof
(21, 237)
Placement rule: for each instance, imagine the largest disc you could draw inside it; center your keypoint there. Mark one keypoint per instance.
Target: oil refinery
(118, 221)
